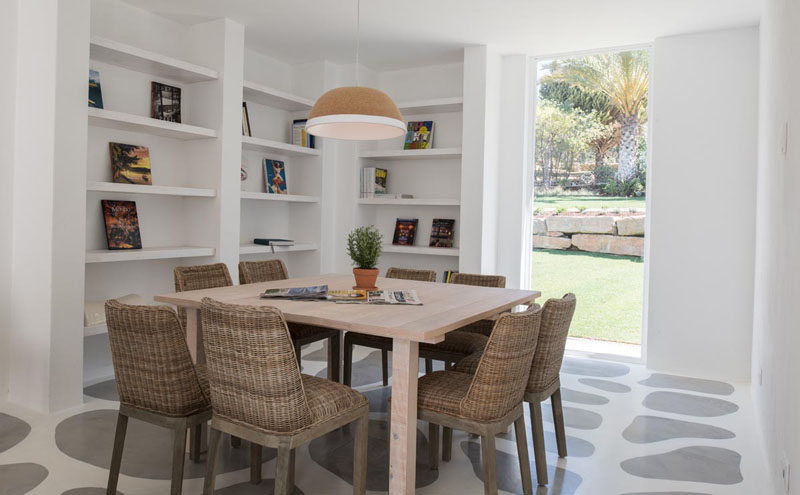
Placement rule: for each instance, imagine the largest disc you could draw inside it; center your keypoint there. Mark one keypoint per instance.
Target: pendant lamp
(355, 112)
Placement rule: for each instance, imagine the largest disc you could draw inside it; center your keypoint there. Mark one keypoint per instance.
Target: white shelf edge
(421, 250)
(260, 144)
(137, 59)
(410, 202)
(444, 153)
(433, 105)
(152, 253)
(291, 198)
(113, 187)
(252, 248)
(95, 330)
(101, 117)
(265, 95)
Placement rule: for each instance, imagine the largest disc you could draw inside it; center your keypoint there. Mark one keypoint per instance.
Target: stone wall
(596, 234)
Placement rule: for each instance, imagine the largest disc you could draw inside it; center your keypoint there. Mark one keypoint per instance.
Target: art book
(95, 94)
(122, 224)
(130, 164)
(245, 120)
(165, 102)
(419, 135)
(442, 232)
(274, 176)
(404, 231)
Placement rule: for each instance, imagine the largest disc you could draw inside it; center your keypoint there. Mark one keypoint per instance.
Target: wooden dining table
(446, 307)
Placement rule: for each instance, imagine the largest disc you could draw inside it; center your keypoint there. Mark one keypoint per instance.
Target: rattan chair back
(252, 272)
(152, 364)
(200, 277)
(556, 319)
(411, 274)
(479, 280)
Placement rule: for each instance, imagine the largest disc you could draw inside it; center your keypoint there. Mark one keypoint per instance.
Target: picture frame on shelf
(130, 164)
(442, 232)
(405, 230)
(95, 92)
(122, 224)
(165, 102)
(419, 135)
(275, 176)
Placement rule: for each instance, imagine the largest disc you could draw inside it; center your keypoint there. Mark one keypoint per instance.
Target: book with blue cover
(95, 94)
(275, 176)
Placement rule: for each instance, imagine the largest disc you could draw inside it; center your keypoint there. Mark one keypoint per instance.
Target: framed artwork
(130, 164)
(274, 176)
(165, 102)
(442, 232)
(405, 229)
(122, 224)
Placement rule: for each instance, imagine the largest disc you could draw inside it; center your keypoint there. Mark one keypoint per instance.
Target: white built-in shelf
(434, 105)
(136, 59)
(113, 187)
(109, 255)
(410, 202)
(433, 153)
(99, 117)
(291, 198)
(252, 248)
(432, 251)
(270, 146)
(276, 98)
(94, 330)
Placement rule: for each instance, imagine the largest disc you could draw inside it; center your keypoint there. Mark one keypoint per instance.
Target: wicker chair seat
(469, 364)
(328, 399)
(458, 342)
(443, 391)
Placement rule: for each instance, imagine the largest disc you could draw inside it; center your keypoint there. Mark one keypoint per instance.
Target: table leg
(403, 439)
(194, 335)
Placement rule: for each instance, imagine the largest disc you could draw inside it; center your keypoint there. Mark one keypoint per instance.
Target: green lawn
(587, 201)
(608, 290)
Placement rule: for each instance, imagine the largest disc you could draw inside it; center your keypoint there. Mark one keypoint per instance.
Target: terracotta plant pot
(365, 278)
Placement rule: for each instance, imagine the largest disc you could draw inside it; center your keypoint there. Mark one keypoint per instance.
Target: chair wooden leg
(489, 460)
(334, 358)
(522, 455)
(433, 446)
(282, 470)
(211, 462)
(428, 366)
(360, 456)
(178, 452)
(255, 463)
(116, 455)
(447, 443)
(385, 366)
(347, 373)
(537, 432)
(195, 442)
(558, 422)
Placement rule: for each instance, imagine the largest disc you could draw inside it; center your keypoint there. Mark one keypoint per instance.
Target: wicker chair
(156, 380)
(200, 277)
(265, 399)
(544, 381)
(251, 272)
(486, 402)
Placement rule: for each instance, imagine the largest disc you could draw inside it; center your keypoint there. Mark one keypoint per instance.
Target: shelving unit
(149, 253)
(112, 187)
(99, 117)
(95, 330)
(434, 105)
(271, 97)
(384, 155)
(289, 198)
(270, 146)
(428, 251)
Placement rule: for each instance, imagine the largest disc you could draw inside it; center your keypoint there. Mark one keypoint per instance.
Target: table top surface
(445, 307)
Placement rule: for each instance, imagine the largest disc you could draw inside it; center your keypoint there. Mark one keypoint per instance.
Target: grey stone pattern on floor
(661, 380)
(577, 447)
(12, 431)
(665, 493)
(700, 464)
(89, 437)
(18, 479)
(88, 491)
(574, 417)
(266, 487)
(560, 481)
(106, 390)
(587, 367)
(606, 385)
(649, 429)
(334, 452)
(570, 395)
(687, 404)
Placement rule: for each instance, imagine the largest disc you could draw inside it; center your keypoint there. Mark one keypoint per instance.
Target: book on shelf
(373, 182)
(397, 196)
(313, 292)
(419, 135)
(165, 102)
(130, 164)
(122, 224)
(299, 135)
(273, 242)
(95, 94)
(448, 274)
(245, 120)
(405, 229)
(442, 232)
(274, 176)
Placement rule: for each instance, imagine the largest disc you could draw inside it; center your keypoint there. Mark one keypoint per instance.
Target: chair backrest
(411, 274)
(200, 277)
(556, 319)
(479, 280)
(252, 367)
(152, 364)
(252, 272)
(502, 373)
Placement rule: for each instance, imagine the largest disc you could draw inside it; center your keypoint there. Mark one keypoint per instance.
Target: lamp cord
(358, 35)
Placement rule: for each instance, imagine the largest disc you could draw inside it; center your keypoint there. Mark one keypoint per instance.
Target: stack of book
(273, 242)
(373, 182)
(299, 135)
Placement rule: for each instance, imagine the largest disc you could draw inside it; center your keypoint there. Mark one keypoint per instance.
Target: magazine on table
(396, 296)
(297, 293)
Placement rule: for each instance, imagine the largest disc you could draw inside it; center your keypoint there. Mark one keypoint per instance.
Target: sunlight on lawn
(608, 290)
(587, 201)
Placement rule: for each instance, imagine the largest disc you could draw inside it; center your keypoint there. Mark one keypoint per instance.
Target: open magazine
(297, 293)
(397, 296)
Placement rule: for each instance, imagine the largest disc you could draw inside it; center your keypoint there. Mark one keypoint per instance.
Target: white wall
(702, 205)
(776, 339)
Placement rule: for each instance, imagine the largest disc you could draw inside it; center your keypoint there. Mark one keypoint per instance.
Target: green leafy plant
(582, 208)
(364, 246)
(537, 211)
(560, 210)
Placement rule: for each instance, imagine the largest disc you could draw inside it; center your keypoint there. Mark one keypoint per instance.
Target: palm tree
(623, 78)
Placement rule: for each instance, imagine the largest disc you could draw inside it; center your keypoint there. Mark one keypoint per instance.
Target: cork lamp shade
(355, 113)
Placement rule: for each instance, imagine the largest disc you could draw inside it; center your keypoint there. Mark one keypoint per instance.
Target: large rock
(609, 244)
(581, 224)
(630, 226)
(539, 226)
(547, 242)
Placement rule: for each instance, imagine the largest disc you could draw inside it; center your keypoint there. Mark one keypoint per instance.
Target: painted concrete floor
(629, 431)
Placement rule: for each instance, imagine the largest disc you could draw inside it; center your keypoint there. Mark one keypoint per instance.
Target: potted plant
(364, 248)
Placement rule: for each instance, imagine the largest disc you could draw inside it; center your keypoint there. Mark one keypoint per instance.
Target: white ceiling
(405, 33)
